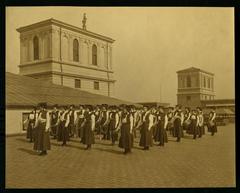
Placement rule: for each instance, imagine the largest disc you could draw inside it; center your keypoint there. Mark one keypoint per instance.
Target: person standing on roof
(126, 138)
(212, 122)
(63, 132)
(31, 122)
(42, 126)
(200, 122)
(194, 123)
(113, 124)
(178, 122)
(105, 122)
(89, 127)
(146, 139)
(162, 121)
(54, 121)
(72, 120)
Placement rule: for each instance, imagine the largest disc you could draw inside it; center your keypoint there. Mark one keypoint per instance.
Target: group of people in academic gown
(194, 122)
(154, 125)
(114, 123)
(79, 123)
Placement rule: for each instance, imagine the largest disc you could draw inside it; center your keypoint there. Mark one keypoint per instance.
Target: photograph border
(129, 3)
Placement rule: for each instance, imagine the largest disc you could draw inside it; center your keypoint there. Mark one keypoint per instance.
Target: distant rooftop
(193, 69)
(155, 104)
(65, 25)
(26, 91)
(219, 102)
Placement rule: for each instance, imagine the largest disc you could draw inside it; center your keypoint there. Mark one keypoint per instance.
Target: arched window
(75, 50)
(188, 81)
(94, 54)
(35, 48)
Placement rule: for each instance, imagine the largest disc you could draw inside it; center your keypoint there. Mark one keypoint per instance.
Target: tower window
(180, 82)
(94, 55)
(188, 98)
(75, 50)
(35, 48)
(208, 82)
(77, 83)
(189, 81)
(96, 85)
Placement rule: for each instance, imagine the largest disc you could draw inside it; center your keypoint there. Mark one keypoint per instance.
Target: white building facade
(194, 85)
(67, 55)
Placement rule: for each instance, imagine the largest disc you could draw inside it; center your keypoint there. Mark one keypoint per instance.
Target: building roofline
(188, 93)
(218, 100)
(65, 25)
(194, 69)
(17, 97)
(153, 102)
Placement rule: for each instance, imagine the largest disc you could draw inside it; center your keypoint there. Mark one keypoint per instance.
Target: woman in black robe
(161, 134)
(126, 136)
(146, 139)
(89, 127)
(80, 120)
(31, 123)
(212, 126)
(194, 123)
(42, 137)
(54, 121)
(63, 130)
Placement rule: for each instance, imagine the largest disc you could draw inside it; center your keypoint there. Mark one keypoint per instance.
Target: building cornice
(193, 69)
(66, 26)
(224, 105)
(189, 93)
(70, 75)
(65, 63)
(201, 89)
(189, 88)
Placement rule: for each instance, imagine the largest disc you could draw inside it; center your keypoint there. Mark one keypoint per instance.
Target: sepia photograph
(120, 97)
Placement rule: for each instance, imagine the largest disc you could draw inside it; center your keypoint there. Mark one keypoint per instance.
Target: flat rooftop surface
(205, 162)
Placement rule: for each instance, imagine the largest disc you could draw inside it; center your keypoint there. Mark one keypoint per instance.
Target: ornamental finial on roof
(84, 22)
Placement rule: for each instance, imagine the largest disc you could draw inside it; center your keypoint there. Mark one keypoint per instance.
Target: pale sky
(151, 45)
